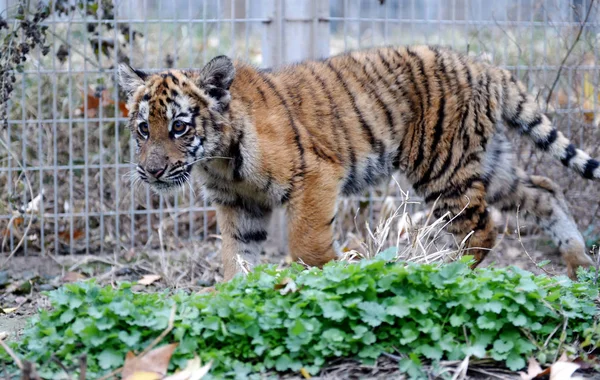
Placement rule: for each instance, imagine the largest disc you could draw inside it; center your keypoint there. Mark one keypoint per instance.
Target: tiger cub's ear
(216, 78)
(130, 79)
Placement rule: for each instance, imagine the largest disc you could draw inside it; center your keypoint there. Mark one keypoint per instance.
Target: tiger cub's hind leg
(536, 198)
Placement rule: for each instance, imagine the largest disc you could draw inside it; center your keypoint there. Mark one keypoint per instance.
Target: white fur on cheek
(144, 110)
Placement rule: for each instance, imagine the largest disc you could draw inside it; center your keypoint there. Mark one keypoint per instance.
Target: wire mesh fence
(64, 184)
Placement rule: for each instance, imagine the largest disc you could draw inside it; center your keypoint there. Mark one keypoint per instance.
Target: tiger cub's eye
(179, 127)
(143, 129)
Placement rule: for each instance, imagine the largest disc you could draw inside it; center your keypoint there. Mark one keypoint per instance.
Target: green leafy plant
(294, 318)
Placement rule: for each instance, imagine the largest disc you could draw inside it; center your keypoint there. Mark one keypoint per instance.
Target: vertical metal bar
(345, 24)
(55, 138)
(41, 158)
(219, 24)
(161, 199)
(101, 147)
(175, 212)
(71, 177)
(204, 33)
(358, 29)
(132, 188)
(86, 159)
(117, 113)
(148, 199)
(232, 21)
(24, 150)
(454, 25)
(386, 24)
(191, 64)
(247, 33)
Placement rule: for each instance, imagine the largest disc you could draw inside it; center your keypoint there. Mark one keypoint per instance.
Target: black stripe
(412, 80)
(515, 121)
(549, 140)
(317, 147)
(590, 167)
(235, 152)
(376, 145)
(251, 237)
(338, 124)
(438, 130)
(253, 210)
(286, 196)
(399, 84)
(537, 120)
(453, 191)
(466, 139)
(421, 67)
(421, 144)
(297, 140)
(262, 94)
(489, 95)
(483, 219)
(466, 214)
(331, 221)
(570, 152)
(373, 91)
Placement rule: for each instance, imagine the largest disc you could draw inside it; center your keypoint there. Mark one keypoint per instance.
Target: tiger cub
(301, 135)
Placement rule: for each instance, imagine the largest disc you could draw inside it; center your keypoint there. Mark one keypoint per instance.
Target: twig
(12, 354)
(82, 366)
(162, 334)
(488, 373)
(562, 64)
(563, 336)
(62, 366)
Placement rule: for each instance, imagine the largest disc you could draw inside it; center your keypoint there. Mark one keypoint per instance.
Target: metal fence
(63, 178)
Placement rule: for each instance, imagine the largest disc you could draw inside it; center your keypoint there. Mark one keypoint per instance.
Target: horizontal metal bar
(67, 167)
(553, 24)
(113, 213)
(73, 120)
(107, 71)
(151, 21)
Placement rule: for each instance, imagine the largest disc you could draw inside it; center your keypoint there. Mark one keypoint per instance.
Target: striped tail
(520, 111)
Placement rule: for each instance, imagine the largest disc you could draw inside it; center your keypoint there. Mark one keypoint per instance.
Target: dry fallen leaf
(305, 373)
(155, 361)
(66, 235)
(193, 371)
(97, 99)
(72, 277)
(533, 370)
(148, 279)
(285, 286)
(144, 376)
(563, 370)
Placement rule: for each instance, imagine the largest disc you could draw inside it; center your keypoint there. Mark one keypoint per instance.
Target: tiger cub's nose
(156, 171)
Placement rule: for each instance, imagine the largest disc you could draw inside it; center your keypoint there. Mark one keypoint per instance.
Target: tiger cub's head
(176, 118)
